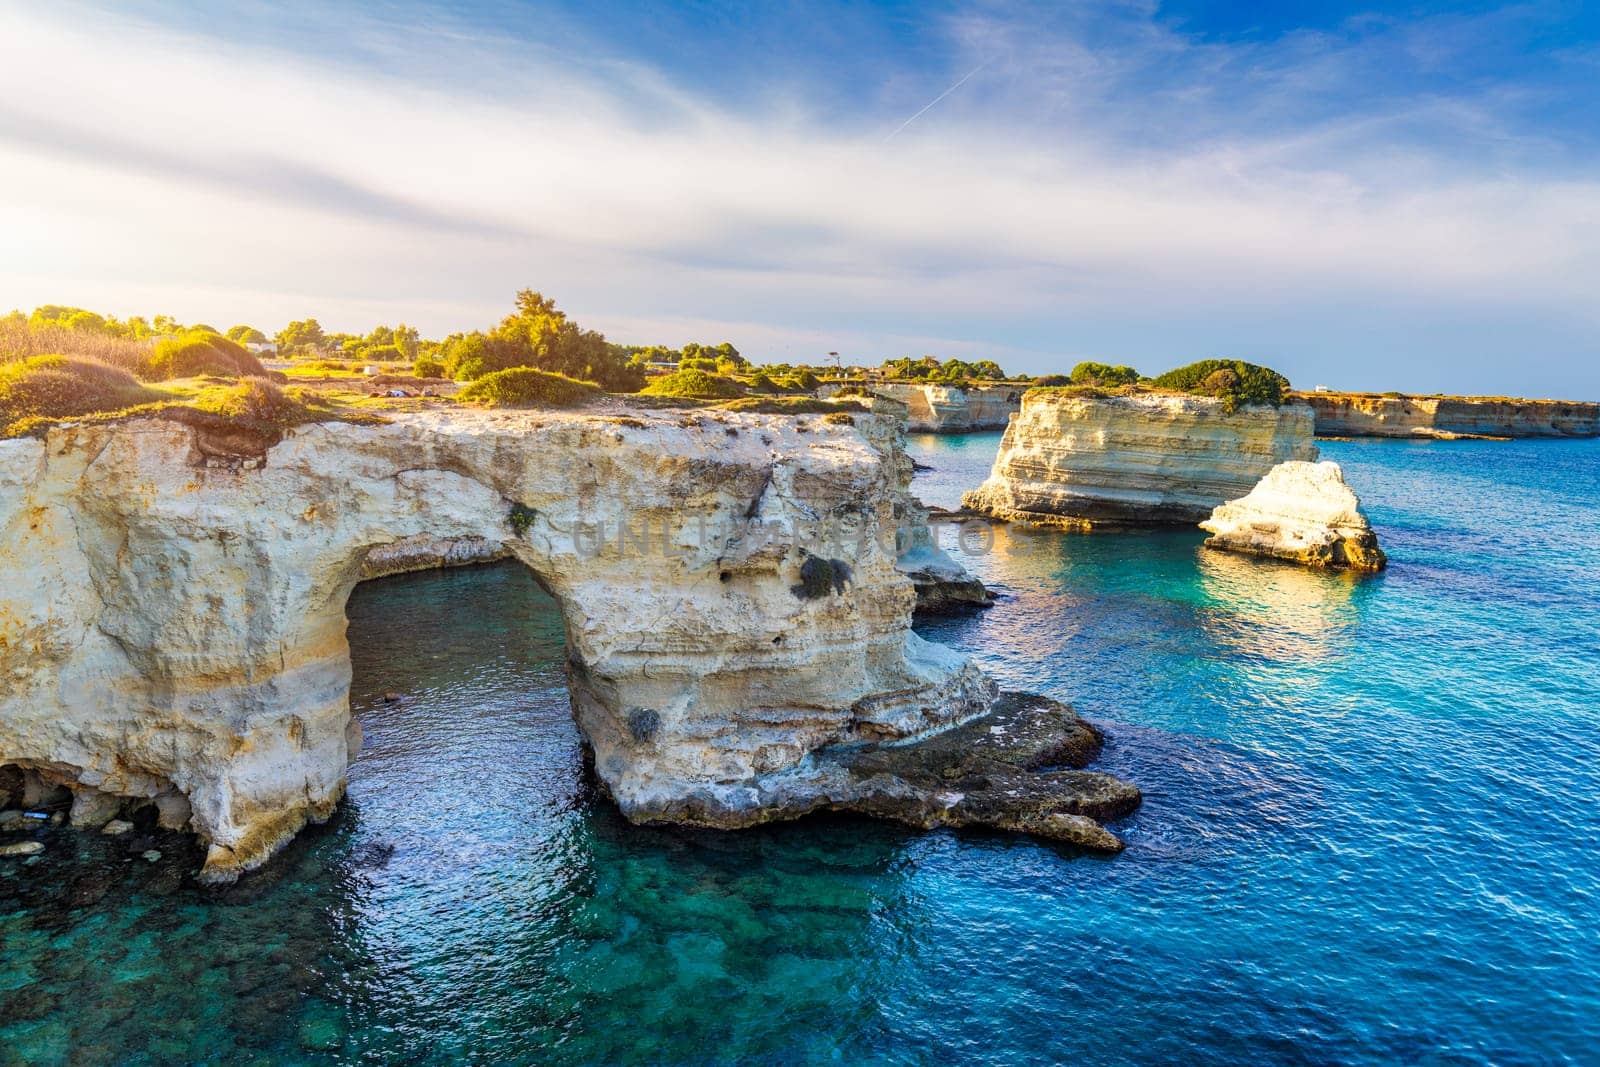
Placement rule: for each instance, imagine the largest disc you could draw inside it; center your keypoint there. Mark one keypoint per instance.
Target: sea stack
(1301, 512)
(1081, 462)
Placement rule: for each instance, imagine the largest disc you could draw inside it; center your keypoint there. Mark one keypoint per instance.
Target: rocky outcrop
(172, 631)
(1081, 462)
(424, 553)
(947, 408)
(1394, 415)
(1302, 512)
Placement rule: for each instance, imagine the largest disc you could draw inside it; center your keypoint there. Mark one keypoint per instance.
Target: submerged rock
(117, 826)
(21, 848)
(1084, 462)
(1302, 512)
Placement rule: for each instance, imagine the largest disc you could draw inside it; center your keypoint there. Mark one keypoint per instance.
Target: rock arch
(172, 624)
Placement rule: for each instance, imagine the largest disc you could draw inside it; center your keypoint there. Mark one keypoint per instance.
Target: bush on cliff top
(195, 354)
(1233, 380)
(1091, 373)
(524, 387)
(694, 384)
(256, 401)
(61, 387)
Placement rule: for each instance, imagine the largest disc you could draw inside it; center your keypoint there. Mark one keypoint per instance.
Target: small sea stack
(1301, 512)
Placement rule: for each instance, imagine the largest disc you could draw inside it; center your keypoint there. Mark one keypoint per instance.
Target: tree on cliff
(1234, 380)
(538, 334)
(1091, 373)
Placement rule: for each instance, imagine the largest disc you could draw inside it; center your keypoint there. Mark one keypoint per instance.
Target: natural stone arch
(173, 623)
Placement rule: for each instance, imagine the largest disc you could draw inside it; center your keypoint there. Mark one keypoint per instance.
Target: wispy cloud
(1110, 186)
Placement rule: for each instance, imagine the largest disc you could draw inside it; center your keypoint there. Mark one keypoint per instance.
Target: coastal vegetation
(45, 388)
(695, 385)
(525, 387)
(197, 353)
(565, 364)
(1233, 380)
(1090, 373)
(951, 371)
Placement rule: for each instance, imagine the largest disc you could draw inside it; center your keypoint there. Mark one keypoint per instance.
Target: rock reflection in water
(1276, 611)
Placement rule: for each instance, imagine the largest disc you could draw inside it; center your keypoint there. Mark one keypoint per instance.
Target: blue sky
(1362, 195)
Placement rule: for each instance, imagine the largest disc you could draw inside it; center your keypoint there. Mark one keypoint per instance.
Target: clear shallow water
(1369, 834)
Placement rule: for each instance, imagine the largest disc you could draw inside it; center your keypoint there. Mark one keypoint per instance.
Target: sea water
(1371, 833)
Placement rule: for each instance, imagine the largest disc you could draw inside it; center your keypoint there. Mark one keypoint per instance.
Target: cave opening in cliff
(459, 688)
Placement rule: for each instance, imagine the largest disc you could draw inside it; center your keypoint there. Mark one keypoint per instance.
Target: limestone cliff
(172, 622)
(949, 408)
(1302, 512)
(1082, 462)
(1375, 415)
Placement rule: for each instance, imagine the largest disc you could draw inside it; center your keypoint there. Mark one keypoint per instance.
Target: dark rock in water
(916, 466)
(940, 595)
(1017, 767)
(391, 698)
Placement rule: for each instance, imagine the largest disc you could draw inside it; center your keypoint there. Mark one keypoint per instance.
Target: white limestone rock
(1303, 512)
(1082, 462)
(172, 624)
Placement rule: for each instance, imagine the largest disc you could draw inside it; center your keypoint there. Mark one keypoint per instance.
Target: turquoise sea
(1371, 834)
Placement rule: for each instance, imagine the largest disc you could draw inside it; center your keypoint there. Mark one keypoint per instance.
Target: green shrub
(1233, 380)
(60, 387)
(1051, 381)
(1090, 373)
(466, 358)
(695, 384)
(524, 387)
(195, 354)
(256, 401)
(697, 363)
(427, 367)
(762, 384)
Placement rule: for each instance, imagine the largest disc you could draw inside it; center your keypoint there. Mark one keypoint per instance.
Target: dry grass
(19, 341)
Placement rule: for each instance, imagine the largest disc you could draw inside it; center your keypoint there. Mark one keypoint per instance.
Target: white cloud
(229, 182)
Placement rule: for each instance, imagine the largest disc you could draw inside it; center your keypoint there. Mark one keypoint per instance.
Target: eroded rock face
(1081, 462)
(172, 630)
(1302, 512)
(1377, 415)
(950, 408)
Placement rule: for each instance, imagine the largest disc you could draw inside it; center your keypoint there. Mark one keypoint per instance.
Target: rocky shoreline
(1449, 417)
